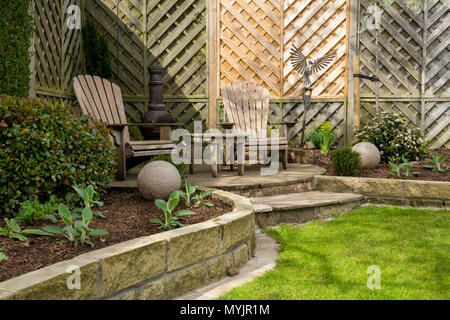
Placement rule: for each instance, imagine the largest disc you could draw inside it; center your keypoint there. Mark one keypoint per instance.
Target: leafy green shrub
(16, 29)
(96, 52)
(346, 161)
(394, 137)
(315, 136)
(45, 150)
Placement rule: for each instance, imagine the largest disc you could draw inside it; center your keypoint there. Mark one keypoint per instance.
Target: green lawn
(329, 260)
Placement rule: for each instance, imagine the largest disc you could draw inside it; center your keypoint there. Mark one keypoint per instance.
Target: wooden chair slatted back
(101, 99)
(247, 106)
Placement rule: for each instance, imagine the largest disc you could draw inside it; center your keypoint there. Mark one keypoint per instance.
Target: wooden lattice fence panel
(250, 43)
(188, 112)
(316, 28)
(409, 110)
(400, 51)
(437, 123)
(317, 112)
(131, 47)
(437, 62)
(57, 55)
(176, 40)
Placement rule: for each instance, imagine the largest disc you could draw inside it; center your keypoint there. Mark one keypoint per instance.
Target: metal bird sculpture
(311, 66)
(307, 68)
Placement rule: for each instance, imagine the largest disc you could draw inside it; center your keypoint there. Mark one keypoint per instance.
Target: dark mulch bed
(382, 170)
(126, 217)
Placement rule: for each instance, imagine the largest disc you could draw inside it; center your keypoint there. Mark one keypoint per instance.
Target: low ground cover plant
(394, 137)
(46, 149)
(171, 217)
(436, 163)
(3, 256)
(200, 199)
(14, 231)
(32, 211)
(76, 230)
(346, 162)
(403, 170)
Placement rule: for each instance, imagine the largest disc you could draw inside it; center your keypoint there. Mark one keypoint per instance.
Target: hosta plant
(436, 163)
(188, 193)
(3, 256)
(14, 231)
(172, 219)
(394, 137)
(76, 231)
(403, 170)
(200, 199)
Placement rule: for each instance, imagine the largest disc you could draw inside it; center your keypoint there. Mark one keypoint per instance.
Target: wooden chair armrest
(113, 126)
(227, 125)
(289, 124)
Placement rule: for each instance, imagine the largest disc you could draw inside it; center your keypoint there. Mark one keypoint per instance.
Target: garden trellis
(205, 44)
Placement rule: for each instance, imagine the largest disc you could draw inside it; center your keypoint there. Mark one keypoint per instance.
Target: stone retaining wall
(161, 266)
(390, 191)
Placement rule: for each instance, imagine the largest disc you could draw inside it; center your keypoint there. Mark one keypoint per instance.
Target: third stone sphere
(369, 153)
(157, 180)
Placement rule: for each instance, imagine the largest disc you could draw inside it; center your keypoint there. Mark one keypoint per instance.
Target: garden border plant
(46, 150)
(135, 268)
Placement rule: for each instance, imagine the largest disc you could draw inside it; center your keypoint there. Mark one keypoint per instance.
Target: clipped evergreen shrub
(346, 162)
(16, 29)
(45, 150)
(96, 52)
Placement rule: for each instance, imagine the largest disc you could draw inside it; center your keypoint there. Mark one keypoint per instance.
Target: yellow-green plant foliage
(45, 150)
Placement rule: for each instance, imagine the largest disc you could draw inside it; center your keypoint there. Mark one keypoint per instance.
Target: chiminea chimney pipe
(157, 112)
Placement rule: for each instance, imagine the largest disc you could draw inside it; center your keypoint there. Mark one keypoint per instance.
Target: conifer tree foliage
(96, 52)
(16, 30)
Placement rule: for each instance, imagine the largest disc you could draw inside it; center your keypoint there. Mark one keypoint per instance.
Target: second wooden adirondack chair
(247, 108)
(102, 100)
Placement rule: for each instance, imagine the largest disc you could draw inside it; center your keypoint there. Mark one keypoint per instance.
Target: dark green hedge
(96, 52)
(45, 150)
(16, 29)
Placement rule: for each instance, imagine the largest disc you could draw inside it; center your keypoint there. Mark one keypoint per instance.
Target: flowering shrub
(45, 150)
(394, 137)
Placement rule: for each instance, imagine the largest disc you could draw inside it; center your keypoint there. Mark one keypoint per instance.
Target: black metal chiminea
(156, 112)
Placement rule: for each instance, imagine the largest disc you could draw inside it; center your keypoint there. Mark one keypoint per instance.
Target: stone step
(302, 207)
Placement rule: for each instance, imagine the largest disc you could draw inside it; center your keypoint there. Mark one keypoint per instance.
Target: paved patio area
(202, 177)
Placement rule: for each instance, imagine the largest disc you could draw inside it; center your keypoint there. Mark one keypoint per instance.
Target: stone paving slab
(302, 200)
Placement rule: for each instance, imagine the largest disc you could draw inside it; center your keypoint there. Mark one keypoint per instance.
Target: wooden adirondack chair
(247, 108)
(102, 100)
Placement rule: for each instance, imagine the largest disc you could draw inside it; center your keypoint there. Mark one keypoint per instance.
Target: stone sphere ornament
(369, 153)
(157, 180)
